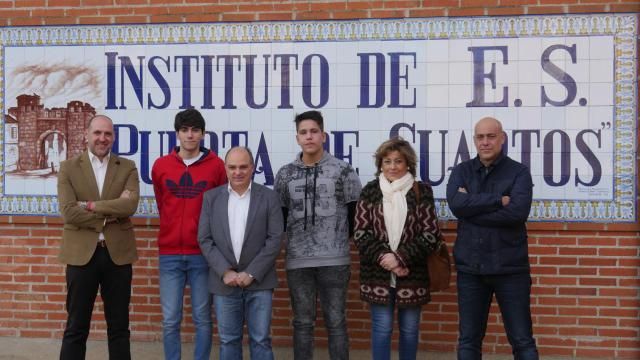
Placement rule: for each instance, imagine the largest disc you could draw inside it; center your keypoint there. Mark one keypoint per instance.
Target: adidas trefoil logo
(186, 189)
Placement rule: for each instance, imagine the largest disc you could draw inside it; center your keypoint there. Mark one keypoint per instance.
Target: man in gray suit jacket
(240, 233)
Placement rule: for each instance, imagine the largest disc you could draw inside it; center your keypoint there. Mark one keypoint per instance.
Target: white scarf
(394, 206)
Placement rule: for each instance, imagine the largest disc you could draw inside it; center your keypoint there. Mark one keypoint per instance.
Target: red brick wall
(586, 276)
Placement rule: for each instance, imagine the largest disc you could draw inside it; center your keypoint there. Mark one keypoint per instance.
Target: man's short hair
(97, 117)
(189, 118)
(310, 115)
(239, 148)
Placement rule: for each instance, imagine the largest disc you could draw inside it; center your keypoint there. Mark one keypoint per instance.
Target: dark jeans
(512, 292)
(330, 284)
(83, 282)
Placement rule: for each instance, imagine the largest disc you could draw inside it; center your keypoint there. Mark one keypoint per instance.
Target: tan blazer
(76, 182)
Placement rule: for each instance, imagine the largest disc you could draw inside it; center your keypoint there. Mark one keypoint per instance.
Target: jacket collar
(204, 150)
(85, 164)
(478, 165)
(93, 157)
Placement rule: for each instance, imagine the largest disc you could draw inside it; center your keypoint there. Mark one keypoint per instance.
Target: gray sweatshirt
(316, 198)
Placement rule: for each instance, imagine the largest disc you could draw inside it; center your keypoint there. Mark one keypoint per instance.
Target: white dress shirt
(238, 209)
(99, 171)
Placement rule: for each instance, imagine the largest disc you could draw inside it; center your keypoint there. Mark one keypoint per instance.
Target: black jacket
(492, 239)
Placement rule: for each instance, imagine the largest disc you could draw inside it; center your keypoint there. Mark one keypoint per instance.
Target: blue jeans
(382, 327)
(175, 271)
(512, 292)
(330, 283)
(231, 313)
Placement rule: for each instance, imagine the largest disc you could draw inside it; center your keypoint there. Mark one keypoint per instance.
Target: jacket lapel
(254, 202)
(223, 210)
(87, 170)
(112, 168)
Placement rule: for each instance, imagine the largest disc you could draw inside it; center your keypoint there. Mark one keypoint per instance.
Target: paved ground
(46, 349)
(36, 349)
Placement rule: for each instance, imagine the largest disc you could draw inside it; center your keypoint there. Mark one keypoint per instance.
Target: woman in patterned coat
(396, 227)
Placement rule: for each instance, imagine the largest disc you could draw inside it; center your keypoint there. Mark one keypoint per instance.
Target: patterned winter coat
(421, 235)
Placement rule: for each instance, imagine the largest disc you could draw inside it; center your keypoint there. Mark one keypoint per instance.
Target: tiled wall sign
(563, 86)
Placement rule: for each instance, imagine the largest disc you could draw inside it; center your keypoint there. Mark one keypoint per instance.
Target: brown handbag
(439, 266)
(438, 262)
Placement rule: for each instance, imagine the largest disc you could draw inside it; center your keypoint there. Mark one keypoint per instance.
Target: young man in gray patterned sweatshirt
(318, 194)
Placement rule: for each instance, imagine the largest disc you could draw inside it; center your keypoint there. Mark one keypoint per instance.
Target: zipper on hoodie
(181, 240)
(313, 200)
(184, 203)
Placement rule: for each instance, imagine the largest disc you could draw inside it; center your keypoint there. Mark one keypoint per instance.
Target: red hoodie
(178, 189)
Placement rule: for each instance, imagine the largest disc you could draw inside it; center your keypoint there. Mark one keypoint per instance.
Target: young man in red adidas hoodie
(179, 180)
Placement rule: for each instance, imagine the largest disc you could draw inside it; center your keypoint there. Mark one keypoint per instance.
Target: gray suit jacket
(262, 238)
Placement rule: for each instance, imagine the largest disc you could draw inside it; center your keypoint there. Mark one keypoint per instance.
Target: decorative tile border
(623, 27)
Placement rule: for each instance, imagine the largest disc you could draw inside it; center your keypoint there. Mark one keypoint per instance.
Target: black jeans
(330, 284)
(512, 292)
(114, 282)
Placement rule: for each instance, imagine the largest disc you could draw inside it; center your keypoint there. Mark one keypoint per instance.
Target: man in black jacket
(491, 197)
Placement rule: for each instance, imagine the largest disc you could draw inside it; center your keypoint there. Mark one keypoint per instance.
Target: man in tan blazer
(98, 192)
